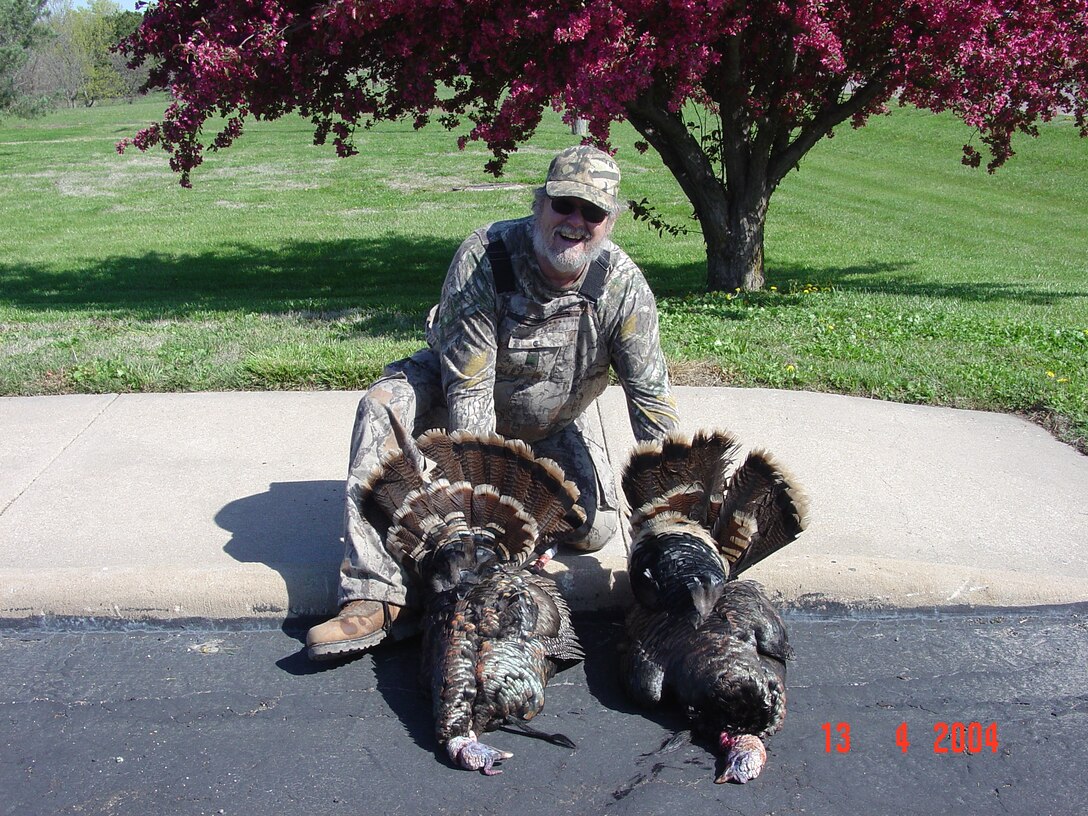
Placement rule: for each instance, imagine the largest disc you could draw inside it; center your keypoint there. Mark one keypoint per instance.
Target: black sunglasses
(590, 212)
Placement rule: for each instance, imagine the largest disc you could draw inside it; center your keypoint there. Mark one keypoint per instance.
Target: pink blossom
(1001, 65)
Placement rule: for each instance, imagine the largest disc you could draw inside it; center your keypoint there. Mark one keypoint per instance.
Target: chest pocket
(540, 342)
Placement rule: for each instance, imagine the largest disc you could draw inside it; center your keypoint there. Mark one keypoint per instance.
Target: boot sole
(343, 648)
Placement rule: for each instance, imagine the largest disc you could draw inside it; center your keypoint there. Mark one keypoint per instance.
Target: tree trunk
(732, 215)
(734, 251)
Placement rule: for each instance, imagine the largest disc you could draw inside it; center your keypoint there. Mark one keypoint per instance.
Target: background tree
(20, 30)
(130, 81)
(78, 62)
(730, 93)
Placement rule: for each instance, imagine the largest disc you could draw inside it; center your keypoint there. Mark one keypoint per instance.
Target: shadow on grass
(877, 277)
(390, 274)
(391, 279)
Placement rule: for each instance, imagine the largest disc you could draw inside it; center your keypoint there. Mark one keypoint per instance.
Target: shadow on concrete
(295, 529)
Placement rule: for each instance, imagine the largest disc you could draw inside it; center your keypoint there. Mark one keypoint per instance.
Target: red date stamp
(949, 738)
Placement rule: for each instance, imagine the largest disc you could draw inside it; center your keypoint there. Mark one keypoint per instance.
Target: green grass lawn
(897, 272)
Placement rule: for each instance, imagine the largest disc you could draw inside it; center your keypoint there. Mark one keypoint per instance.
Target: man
(533, 314)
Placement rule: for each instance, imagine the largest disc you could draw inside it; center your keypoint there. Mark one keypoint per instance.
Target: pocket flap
(539, 341)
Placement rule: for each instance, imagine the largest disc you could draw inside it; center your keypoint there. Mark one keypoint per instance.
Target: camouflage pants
(408, 400)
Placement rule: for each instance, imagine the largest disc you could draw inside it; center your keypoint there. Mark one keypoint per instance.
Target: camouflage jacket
(528, 362)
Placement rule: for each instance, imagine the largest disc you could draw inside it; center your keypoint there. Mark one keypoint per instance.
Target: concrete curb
(228, 505)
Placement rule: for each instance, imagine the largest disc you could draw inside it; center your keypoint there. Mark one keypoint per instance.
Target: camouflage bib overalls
(529, 365)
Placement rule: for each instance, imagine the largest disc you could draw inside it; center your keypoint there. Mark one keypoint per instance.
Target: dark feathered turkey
(493, 632)
(715, 645)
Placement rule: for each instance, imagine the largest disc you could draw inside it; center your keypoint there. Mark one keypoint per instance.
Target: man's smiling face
(567, 235)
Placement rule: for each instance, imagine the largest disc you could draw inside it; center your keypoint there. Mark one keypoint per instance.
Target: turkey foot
(745, 758)
(473, 755)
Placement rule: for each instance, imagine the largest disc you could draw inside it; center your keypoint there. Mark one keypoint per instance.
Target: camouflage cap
(587, 173)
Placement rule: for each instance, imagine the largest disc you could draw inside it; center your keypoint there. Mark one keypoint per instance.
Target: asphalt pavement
(228, 506)
(887, 716)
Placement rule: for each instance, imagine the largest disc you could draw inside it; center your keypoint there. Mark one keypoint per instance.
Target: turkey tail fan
(504, 520)
(476, 458)
(503, 461)
(762, 511)
(429, 518)
(651, 469)
(443, 514)
(443, 499)
(552, 499)
(687, 501)
(476, 454)
(509, 466)
(657, 468)
(437, 444)
(385, 488)
(712, 454)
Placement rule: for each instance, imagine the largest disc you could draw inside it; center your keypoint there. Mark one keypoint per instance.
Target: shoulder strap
(593, 285)
(501, 267)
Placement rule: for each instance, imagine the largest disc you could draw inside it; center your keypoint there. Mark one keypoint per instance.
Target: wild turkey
(716, 645)
(493, 632)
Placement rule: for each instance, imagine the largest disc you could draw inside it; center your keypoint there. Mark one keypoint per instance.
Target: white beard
(569, 260)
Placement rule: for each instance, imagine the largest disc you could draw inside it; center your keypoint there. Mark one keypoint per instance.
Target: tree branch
(680, 151)
(825, 119)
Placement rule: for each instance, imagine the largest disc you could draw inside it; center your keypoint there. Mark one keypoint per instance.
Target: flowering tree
(768, 78)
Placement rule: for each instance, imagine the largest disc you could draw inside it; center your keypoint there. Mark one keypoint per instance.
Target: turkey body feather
(729, 672)
(490, 649)
(494, 632)
(697, 636)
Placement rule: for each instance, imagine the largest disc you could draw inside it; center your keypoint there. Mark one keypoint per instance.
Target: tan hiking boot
(360, 625)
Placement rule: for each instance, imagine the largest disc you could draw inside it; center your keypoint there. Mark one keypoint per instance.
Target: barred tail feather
(441, 498)
(413, 537)
(385, 488)
(441, 514)
(641, 479)
(509, 466)
(514, 531)
(552, 499)
(657, 468)
(762, 511)
(438, 445)
(685, 501)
